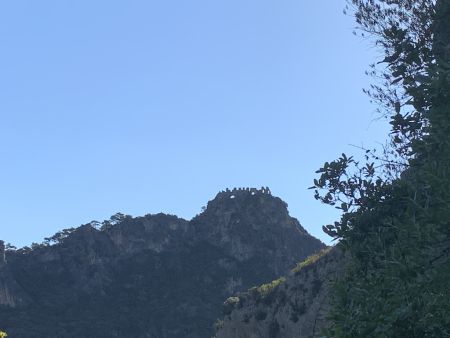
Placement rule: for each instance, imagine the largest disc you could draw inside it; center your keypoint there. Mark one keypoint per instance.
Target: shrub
(229, 305)
(266, 289)
(310, 260)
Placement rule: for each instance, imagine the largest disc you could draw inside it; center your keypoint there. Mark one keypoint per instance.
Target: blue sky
(148, 106)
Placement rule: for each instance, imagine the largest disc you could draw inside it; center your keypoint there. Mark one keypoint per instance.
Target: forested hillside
(395, 224)
(152, 276)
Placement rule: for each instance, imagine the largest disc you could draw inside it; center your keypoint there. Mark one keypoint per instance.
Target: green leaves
(395, 222)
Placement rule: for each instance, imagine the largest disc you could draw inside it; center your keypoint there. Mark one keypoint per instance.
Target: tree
(3, 334)
(10, 247)
(115, 219)
(396, 208)
(59, 237)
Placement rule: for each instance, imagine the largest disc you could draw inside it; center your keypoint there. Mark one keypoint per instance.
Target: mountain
(294, 306)
(152, 276)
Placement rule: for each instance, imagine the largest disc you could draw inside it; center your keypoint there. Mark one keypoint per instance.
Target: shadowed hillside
(152, 276)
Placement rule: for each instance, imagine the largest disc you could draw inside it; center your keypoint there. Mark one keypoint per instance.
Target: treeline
(60, 236)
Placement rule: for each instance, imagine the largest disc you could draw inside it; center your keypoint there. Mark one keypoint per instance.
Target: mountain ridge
(151, 276)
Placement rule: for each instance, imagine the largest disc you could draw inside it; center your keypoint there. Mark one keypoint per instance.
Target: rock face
(11, 294)
(294, 306)
(153, 276)
(2, 254)
(253, 224)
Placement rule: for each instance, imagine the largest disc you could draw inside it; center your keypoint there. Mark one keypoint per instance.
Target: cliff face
(249, 224)
(10, 292)
(153, 276)
(2, 254)
(294, 306)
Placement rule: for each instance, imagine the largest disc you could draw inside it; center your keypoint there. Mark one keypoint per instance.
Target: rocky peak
(249, 222)
(245, 206)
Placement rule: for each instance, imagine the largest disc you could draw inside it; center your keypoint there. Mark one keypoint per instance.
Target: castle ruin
(241, 191)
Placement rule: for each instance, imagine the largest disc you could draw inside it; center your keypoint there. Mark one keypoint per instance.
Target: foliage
(59, 237)
(113, 220)
(229, 305)
(3, 334)
(310, 260)
(265, 289)
(232, 300)
(396, 208)
(10, 247)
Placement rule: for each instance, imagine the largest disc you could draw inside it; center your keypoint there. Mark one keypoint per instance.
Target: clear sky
(144, 106)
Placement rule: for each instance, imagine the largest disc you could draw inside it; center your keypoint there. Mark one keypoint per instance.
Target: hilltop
(151, 276)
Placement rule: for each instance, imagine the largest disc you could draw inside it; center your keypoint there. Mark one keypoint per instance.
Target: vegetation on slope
(310, 260)
(396, 207)
(292, 306)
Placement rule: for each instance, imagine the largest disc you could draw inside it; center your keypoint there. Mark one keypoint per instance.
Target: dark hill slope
(153, 276)
(294, 306)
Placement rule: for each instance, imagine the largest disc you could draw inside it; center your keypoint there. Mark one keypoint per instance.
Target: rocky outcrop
(151, 276)
(2, 254)
(11, 294)
(153, 232)
(5, 294)
(294, 306)
(253, 224)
